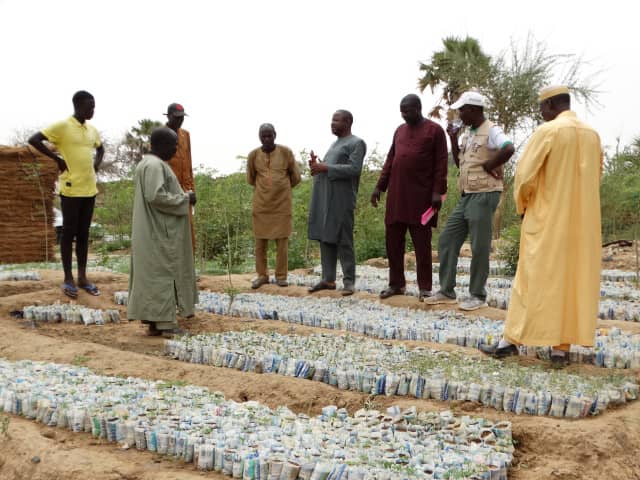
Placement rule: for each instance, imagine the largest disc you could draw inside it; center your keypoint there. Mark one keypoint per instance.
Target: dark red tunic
(416, 166)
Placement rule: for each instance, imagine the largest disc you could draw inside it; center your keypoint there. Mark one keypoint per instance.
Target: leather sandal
(424, 294)
(559, 361)
(258, 282)
(347, 291)
(322, 285)
(499, 352)
(152, 331)
(391, 291)
(174, 332)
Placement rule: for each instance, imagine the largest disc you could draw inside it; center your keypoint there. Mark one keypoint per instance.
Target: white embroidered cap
(470, 98)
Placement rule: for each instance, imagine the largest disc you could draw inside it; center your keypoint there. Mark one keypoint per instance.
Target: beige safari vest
(473, 154)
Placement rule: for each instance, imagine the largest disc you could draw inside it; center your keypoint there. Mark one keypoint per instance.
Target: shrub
(509, 249)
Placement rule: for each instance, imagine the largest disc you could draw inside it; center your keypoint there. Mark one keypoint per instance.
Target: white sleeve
(497, 138)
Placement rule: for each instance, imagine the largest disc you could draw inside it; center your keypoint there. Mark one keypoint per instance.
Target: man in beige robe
(555, 294)
(273, 172)
(162, 275)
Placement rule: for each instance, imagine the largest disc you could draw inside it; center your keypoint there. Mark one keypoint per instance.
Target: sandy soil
(592, 448)
(623, 257)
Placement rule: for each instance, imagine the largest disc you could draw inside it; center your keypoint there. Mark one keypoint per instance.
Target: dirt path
(592, 448)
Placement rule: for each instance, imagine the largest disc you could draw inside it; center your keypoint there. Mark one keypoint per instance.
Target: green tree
(460, 66)
(520, 72)
(620, 194)
(115, 210)
(115, 207)
(369, 229)
(223, 219)
(136, 141)
(511, 81)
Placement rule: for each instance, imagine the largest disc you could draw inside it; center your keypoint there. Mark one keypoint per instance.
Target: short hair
(412, 99)
(560, 99)
(347, 115)
(265, 126)
(162, 136)
(80, 96)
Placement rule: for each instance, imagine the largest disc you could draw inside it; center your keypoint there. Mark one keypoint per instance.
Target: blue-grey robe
(333, 199)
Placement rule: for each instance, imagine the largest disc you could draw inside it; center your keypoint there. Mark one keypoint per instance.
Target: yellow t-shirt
(76, 143)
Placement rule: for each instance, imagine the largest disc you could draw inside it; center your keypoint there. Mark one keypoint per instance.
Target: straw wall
(26, 205)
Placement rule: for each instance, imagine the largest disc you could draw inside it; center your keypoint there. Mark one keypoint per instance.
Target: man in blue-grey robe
(333, 201)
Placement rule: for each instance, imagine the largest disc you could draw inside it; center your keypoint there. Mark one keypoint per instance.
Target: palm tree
(460, 66)
(136, 141)
(511, 83)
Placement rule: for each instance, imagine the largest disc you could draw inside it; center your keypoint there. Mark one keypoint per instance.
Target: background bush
(224, 240)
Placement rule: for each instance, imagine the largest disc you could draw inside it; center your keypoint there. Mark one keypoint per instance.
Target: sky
(236, 64)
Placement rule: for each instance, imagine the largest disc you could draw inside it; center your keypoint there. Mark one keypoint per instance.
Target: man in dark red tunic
(415, 178)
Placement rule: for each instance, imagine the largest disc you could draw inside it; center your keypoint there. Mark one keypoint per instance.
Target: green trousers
(473, 215)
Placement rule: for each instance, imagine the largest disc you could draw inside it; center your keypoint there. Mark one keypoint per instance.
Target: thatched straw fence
(26, 205)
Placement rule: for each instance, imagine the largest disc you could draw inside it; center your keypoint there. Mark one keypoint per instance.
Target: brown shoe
(322, 285)
(282, 283)
(258, 282)
(346, 291)
(390, 292)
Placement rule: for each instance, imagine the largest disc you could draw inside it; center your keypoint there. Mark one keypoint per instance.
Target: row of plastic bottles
(249, 440)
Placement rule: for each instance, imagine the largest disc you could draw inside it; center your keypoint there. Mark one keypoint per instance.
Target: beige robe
(557, 285)
(273, 175)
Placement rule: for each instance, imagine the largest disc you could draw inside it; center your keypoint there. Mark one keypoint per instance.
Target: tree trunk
(637, 242)
(497, 217)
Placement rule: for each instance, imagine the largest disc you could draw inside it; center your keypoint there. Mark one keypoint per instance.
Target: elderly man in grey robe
(333, 201)
(162, 274)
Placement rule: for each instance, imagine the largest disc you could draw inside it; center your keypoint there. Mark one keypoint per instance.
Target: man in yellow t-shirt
(76, 141)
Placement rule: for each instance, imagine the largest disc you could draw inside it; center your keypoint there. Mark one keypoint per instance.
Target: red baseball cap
(176, 109)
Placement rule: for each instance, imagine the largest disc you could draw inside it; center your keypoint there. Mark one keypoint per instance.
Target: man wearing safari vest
(480, 157)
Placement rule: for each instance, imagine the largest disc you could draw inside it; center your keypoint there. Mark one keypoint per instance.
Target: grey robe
(333, 199)
(162, 274)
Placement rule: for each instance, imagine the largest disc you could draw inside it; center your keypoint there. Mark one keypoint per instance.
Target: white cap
(470, 98)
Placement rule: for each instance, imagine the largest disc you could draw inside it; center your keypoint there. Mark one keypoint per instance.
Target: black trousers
(76, 220)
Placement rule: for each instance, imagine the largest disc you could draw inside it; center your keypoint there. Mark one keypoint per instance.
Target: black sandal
(390, 292)
(322, 286)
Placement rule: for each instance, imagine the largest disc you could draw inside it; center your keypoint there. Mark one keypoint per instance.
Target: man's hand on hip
(62, 165)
